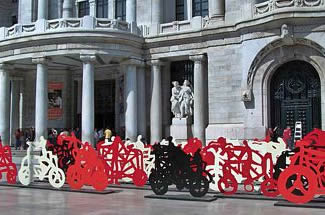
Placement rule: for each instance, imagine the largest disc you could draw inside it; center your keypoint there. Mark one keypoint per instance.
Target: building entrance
(105, 104)
(296, 96)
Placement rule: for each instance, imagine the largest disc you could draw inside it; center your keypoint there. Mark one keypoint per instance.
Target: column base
(215, 21)
(181, 129)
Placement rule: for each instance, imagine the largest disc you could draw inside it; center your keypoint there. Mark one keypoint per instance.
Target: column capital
(5, 66)
(88, 58)
(197, 58)
(41, 60)
(133, 61)
(156, 62)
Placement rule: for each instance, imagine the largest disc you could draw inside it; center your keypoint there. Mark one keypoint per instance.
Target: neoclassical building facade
(253, 65)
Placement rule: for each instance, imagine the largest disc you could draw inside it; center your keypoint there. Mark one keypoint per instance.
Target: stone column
(88, 99)
(156, 17)
(188, 6)
(111, 9)
(14, 110)
(79, 100)
(131, 7)
(25, 11)
(117, 105)
(92, 8)
(42, 9)
(199, 115)
(41, 110)
(216, 8)
(4, 104)
(157, 11)
(131, 119)
(21, 104)
(156, 102)
(67, 9)
(142, 120)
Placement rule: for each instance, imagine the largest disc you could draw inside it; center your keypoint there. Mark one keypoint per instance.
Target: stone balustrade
(64, 24)
(274, 5)
(196, 23)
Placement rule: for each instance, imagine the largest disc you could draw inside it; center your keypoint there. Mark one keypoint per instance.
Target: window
(83, 8)
(102, 8)
(200, 8)
(182, 70)
(180, 10)
(120, 9)
(14, 20)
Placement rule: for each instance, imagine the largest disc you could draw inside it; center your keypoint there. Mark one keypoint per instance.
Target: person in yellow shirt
(108, 133)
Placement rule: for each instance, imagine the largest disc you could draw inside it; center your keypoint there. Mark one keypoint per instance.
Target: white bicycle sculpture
(46, 166)
(148, 158)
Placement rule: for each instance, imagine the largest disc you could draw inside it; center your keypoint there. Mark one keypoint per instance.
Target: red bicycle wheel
(74, 177)
(228, 184)
(139, 177)
(269, 188)
(298, 184)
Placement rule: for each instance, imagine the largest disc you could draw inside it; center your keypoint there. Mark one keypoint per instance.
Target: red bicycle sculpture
(87, 169)
(64, 149)
(123, 162)
(6, 164)
(305, 176)
(239, 161)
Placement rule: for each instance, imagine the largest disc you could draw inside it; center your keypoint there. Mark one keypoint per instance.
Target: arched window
(120, 9)
(102, 8)
(200, 8)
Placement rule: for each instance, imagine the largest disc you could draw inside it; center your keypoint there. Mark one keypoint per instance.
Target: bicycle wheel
(298, 184)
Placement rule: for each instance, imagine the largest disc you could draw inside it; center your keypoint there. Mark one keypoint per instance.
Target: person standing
(96, 137)
(108, 134)
(287, 137)
(17, 136)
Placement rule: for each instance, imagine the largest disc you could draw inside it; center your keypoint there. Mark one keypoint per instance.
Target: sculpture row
(266, 166)
(297, 175)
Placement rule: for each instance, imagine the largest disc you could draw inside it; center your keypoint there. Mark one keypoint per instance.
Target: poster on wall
(55, 107)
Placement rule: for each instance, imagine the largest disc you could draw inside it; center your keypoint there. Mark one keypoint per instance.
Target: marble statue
(186, 100)
(174, 99)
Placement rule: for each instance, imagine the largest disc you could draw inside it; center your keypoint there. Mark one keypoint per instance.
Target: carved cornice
(247, 90)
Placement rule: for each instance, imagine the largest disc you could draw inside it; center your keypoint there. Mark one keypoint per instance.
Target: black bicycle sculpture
(174, 166)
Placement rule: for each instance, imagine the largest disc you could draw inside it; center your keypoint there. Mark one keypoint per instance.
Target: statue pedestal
(181, 128)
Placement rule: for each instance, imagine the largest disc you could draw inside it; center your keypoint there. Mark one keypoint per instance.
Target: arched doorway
(296, 96)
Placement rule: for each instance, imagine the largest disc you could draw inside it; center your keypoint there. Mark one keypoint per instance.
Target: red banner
(55, 105)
